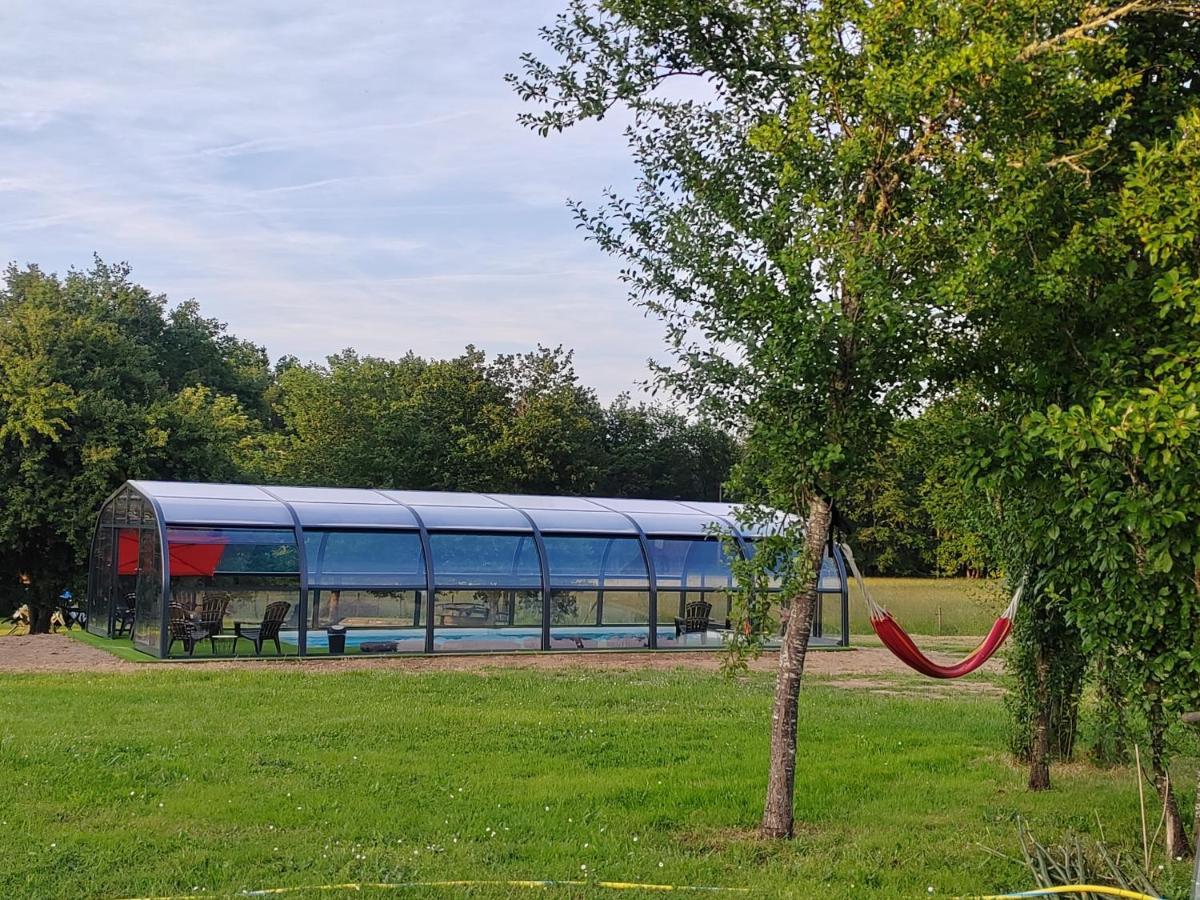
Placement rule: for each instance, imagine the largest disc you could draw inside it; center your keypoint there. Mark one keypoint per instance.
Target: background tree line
(102, 380)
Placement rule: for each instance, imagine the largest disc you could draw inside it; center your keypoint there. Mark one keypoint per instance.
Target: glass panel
(226, 581)
(212, 551)
(683, 523)
(830, 579)
(337, 515)
(195, 511)
(586, 521)
(119, 505)
(147, 624)
(364, 558)
(125, 598)
(692, 563)
(475, 518)
(486, 560)
(831, 617)
(635, 506)
(375, 621)
(684, 622)
(435, 499)
(472, 620)
(202, 490)
(600, 620)
(101, 582)
(208, 612)
(366, 608)
(589, 561)
(824, 624)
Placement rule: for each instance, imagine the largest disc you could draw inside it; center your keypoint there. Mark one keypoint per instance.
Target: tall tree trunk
(1174, 830)
(39, 618)
(781, 779)
(1039, 755)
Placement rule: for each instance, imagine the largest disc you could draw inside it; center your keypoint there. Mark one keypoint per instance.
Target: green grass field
(180, 781)
(949, 606)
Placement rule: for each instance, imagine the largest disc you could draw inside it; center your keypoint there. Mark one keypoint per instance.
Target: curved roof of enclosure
(194, 503)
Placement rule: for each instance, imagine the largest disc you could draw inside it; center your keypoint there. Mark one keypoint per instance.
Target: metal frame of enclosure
(421, 571)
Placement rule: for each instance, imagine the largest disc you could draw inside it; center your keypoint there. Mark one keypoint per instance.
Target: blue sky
(319, 175)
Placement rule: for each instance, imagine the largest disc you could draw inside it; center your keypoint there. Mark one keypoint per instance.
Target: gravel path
(59, 653)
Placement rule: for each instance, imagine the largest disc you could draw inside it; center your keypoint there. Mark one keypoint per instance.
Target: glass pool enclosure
(221, 569)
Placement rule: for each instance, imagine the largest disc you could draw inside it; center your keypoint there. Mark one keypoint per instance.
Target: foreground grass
(165, 781)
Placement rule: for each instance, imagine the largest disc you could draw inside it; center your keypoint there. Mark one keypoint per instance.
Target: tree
(653, 451)
(1128, 460)
(549, 425)
(777, 229)
(85, 403)
(1062, 291)
(849, 203)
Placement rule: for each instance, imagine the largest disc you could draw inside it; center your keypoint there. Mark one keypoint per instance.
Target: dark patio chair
(210, 619)
(123, 615)
(695, 618)
(179, 628)
(266, 630)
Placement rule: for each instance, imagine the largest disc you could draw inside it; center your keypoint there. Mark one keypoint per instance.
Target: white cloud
(319, 176)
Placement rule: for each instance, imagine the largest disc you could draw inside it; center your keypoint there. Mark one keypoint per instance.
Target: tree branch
(1178, 7)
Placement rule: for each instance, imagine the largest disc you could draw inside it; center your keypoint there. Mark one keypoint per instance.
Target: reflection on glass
(485, 560)
(376, 621)
(590, 560)
(692, 563)
(471, 619)
(364, 558)
(609, 619)
(361, 608)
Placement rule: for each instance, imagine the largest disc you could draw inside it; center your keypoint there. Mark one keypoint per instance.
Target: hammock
(897, 640)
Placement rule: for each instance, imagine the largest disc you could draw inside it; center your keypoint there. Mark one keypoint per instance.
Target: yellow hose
(1073, 889)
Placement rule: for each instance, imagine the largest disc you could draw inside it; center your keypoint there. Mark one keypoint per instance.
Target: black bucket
(337, 639)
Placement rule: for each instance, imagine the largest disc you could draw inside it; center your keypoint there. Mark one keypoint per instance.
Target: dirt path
(860, 667)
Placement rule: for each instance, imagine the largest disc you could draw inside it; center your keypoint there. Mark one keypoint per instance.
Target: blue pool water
(412, 640)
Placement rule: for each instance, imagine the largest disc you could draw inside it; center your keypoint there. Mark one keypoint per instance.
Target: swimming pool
(464, 640)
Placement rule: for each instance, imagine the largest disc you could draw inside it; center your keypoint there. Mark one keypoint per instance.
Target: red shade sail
(127, 551)
(195, 559)
(186, 557)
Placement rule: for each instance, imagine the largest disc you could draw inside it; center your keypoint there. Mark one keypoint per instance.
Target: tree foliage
(518, 423)
(88, 397)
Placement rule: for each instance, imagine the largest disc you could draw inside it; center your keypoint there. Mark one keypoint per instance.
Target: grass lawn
(162, 781)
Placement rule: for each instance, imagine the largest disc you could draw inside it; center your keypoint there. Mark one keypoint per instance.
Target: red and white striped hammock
(897, 640)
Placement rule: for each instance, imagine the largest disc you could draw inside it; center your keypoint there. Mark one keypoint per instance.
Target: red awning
(127, 551)
(187, 558)
(195, 559)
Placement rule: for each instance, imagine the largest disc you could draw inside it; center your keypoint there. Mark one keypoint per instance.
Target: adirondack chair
(211, 618)
(179, 628)
(695, 618)
(266, 630)
(123, 615)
